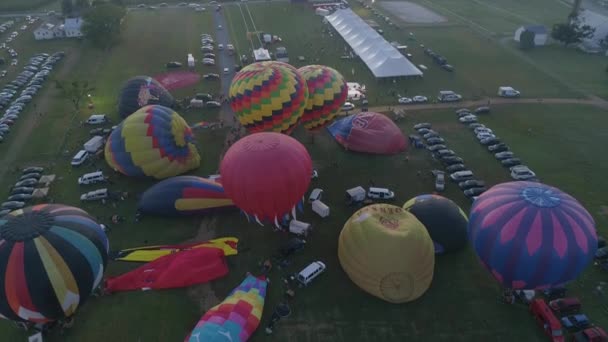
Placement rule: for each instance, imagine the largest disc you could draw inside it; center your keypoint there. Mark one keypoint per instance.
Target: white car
(220, 46)
(94, 195)
(219, 27)
(405, 100)
(484, 135)
(468, 119)
(522, 172)
(420, 99)
(348, 106)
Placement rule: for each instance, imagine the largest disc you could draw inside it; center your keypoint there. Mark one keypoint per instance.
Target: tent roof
(383, 59)
(540, 29)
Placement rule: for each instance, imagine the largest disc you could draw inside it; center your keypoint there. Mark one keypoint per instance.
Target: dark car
(451, 160)
(555, 293)
(209, 55)
(435, 141)
(423, 130)
(20, 197)
(431, 134)
(447, 67)
(455, 168)
(174, 65)
(482, 110)
(511, 162)
(12, 205)
(504, 155)
(444, 153)
(22, 190)
(27, 182)
(211, 76)
(422, 125)
(601, 253)
(292, 246)
(500, 147)
(213, 104)
(490, 141)
(203, 96)
(437, 147)
(575, 322)
(475, 191)
(32, 175)
(473, 183)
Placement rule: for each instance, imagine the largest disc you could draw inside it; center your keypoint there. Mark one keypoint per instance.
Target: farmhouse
(70, 28)
(382, 59)
(540, 34)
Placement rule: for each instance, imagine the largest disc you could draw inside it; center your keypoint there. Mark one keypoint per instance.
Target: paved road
(224, 60)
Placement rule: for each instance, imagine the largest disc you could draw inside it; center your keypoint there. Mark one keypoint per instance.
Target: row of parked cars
(439, 60)
(454, 164)
(204, 100)
(22, 191)
(501, 150)
(28, 82)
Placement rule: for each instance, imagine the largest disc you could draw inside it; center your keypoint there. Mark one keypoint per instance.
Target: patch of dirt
(410, 12)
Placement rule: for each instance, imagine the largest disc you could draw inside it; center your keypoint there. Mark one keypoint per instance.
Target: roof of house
(536, 29)
(73, 23)
(46, 26)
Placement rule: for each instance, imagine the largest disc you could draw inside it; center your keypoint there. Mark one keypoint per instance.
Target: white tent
(383, 59)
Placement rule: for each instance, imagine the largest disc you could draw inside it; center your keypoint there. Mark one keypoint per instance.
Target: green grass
(22, 5)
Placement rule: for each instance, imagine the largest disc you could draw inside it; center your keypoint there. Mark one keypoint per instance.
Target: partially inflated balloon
(327, 91)
(155, 142)
(52, 257)
(141, 91)
(268, 96)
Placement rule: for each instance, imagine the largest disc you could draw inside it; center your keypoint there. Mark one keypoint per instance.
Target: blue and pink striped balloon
(531, 235)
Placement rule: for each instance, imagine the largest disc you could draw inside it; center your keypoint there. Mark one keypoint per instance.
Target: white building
(261, 55)
(72, 27)
(540, 34)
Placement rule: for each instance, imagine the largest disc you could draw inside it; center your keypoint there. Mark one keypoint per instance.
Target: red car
(547, 320)
(594, 334)
(565, 306)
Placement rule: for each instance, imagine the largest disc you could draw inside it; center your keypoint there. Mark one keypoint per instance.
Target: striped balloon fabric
(531, 235)
(236, 318)
(327, 91)
(155, 141)
(268, 96)
(52, 257)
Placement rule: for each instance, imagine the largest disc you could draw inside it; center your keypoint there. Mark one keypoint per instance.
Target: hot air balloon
(387, 252)
(52, 257)
(184, 195)
(327, 91)
(531, 235)
(444, 220)
(268, 96)
(141, 91)
(266, 175)
(155, 142)
(368, 132)
(236, 318)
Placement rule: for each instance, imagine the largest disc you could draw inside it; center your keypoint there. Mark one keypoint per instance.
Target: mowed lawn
(20, 5)
(482, 65)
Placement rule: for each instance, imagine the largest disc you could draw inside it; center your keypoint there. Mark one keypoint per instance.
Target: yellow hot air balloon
(387, 252)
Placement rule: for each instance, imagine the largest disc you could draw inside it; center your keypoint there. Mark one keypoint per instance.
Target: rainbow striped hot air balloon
(236, 318)
(184, 195)
(155, 141)
(531, 235)
(268, 96)
(52, 257)
(327, 91)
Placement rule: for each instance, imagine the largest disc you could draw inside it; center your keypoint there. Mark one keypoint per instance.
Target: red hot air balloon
(266, 175)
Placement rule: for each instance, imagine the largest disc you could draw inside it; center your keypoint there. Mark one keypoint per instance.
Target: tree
(526, 40)
(67, 7)
(102, 24)
(74, 91)
(572, 32)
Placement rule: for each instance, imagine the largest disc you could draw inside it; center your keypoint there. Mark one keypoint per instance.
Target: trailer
(191, 61)
(299, 228)
(320, 208)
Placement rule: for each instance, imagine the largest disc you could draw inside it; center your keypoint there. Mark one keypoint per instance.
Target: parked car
(95, 195)
(451, 160)
(575, 322)
(500, 147)
(510, 162)
(461, 176)
(12, 205)
(405, 100)
(448, 96)
(174, 65)
(211, 76)
(431, 134)
(424, 130)
(445, 153)
(422, 125)
(213, 104)
(22, 190)
(447, 67)
(482, 110)
(209, 55)
(475, 191)
(32, 175)
(468, 119)
(484, 135)
(435, 141)
(473, 183)
(463, 114)
(593, 334)
(490, 141)
(521, 172)
(565, 306)
(20, 197)
(504, 155)
(348, 106)
(26, 182)
(455, 168)
(203, 96)
(482, 129)
(436, 147)
(80, 158)
(440, 181)
(208, 61)
(555, 292)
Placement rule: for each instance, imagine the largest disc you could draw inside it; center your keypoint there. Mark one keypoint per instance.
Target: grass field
(563, 147)
(27, 5)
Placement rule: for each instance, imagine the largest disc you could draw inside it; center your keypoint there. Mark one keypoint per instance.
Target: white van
(320, 208)
(315, 195)
(97, 119)
(94, 144)
(94, 195)
(80, 158)
(310, 272)
(91, 178)
(380, 193)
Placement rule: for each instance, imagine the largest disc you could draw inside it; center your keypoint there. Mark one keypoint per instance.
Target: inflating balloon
(327, 91)
(155, 142)
(266, 175)
(184, 195)
(368, 132)
(444, 220)
(387, 252)
(141, 91)
(531, 235)
(52, 257)
(268, 96)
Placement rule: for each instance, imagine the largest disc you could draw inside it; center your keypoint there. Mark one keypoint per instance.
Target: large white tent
(383, 59)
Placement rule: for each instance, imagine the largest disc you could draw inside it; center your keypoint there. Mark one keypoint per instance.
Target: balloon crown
(22, 226)
(541, 196)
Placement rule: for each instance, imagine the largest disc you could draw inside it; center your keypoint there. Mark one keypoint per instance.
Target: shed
(261, 55)
(541, 34)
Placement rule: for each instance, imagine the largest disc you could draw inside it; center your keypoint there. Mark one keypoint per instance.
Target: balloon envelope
(327, 91)
(530, 235)
(387, 252)
(184, 195)
(155, 142)
(266, 174)
(368, 132)
(268, 96)
(444, 220)
(52, 257)
(141, 91)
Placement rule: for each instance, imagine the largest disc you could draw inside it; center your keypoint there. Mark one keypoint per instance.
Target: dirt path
(31, 120)
(592, 101)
